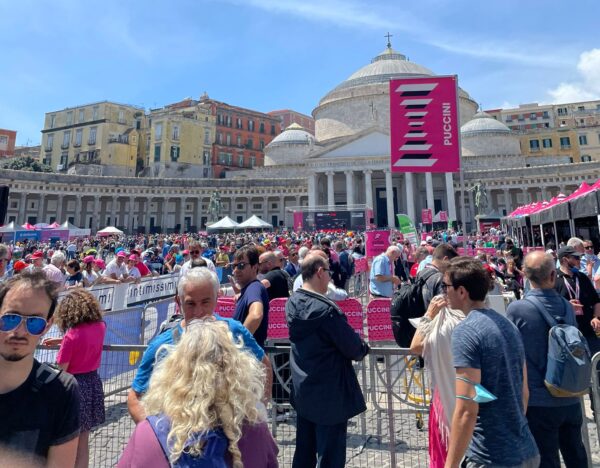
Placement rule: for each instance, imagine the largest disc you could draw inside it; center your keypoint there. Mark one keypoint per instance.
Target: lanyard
(570, 288)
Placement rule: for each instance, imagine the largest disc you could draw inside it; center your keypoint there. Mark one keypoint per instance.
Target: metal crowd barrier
(596, 392)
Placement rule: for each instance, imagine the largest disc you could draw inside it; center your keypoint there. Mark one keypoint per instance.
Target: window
(547, 142)
(69, 118)
(206, 158)
(580, 108)
(534, 145)
(261, 129)
(251, 125)
(239, 139)
(158, 131)
(206, 136)
(156, 153)
(95, 112)
(583, 140)
(229, 159)
(92, 139)
(121, 118)
(521, 118)
(175, 132)
(174, 153)
(533, 116)
(586, 158)
(261, 144)
(228, 139)
(256, 206)
(66, 139)
(78, 136)
(252, 161)
(148, 144)
(509, 118)
(52, 120)
(228, 121)
(3, 141)
(50, 142)
(219, 137)
(565, 143)
(562, 111)
(249, 143)
(64, 159)
(238, 123)
(81, 117)
(241, 160)
(545, 115)
(272, 129)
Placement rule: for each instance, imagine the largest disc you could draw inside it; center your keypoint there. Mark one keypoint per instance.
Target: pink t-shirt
(81, 347)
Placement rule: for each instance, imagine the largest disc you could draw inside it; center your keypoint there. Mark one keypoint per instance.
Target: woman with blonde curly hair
(205, 400)
(79, 317)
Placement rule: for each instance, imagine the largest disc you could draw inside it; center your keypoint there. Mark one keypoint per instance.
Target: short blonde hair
(206, 382)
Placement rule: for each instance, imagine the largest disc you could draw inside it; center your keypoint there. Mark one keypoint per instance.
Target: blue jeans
(558, 428)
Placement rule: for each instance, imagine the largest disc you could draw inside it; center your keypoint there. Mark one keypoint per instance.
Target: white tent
(109, 231)
(74, 231)
(254, 222)
(10, 227)
(225, 223)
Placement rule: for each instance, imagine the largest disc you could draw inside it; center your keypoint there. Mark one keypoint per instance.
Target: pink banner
(369, 218)
(360, 265)
(225, 307)
(443, 216)
(353, 311)
(426, 216)
(377, 242)
(298, 221)
(379, 324)
(278, 329)
(424, 125)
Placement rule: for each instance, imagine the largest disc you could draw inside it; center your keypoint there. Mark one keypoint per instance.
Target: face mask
(574, 269)
(482, 395)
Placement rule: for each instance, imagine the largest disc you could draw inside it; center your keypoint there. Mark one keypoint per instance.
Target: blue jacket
(325, 389)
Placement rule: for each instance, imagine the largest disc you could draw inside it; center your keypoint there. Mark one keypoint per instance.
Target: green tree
(27, 164)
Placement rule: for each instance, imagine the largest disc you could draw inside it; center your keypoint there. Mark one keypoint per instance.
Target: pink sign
(444, 216)
(379, 324)
(298, 220)
(377, 242)
(369, 218)
(426, 216)
(360, 265)
(354, 312)
(424, 125)
(277, 329)
(225, 307)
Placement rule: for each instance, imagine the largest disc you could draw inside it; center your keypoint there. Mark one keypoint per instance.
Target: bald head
(393, 252)
(539, 268)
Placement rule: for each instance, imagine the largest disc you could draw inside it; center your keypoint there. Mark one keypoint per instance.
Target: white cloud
(587, 87)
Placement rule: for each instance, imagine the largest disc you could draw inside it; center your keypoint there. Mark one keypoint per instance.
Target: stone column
(77, 214)
(198, 212)
(96, 215)
(526, 197)
(312, 186)
(410, 196)
(147, 214)
(165, 209)
(507, 201)
(472, 205)
(281, 209)
(22, 208)
(182, 202)
(429, 191)
(389, 195)
(349, 187)
(330, 189)
(132, 212)
(41, 209)
(543, 193)
(113, 211)
(59, 208)
(266, 208)
(450, 197)
(368, 189)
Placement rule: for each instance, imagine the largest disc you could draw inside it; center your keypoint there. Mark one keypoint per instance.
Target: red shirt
(144, 270)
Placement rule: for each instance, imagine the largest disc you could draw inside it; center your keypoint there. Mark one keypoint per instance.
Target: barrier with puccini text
(379, 324)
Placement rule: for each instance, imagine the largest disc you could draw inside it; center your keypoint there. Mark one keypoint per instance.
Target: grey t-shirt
(488, 341)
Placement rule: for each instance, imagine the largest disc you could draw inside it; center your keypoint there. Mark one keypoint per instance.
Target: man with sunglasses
(252, 307)
(39, 406)
(196, 250)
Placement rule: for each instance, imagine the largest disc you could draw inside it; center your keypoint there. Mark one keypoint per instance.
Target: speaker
(3, 203)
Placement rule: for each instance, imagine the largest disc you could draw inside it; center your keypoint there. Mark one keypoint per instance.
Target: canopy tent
(74, 231)
(55, 225)
(225, 223)
(45, 226)
(28, 227)
(254, 222)
(10, 227)
(109, 231)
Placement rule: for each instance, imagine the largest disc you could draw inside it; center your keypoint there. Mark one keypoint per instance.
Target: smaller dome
(295, 135)
(483, 123)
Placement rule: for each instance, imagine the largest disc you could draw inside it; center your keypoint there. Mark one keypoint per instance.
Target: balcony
(122, 139)
(48, 148)
(91, 142)
(565, 147)
(535, 150)
(64, 146)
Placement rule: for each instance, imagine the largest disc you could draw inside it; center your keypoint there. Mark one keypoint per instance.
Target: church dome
(483, 123)
(294, 134)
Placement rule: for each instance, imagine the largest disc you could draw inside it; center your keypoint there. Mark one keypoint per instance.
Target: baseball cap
(429, 239)
(88, 259)
(121, 253)
(37, 254)
(566, 251)
(19, 265)
(132, 257)
(100, 263)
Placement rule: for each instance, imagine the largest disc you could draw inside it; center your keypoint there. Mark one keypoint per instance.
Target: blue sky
(275, 54)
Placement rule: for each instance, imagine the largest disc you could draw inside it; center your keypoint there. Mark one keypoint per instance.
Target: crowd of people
(201, 389)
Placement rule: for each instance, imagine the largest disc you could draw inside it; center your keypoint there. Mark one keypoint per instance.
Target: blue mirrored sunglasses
(34, 325)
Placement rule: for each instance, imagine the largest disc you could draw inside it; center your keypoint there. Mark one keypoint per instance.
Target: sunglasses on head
(34, 325)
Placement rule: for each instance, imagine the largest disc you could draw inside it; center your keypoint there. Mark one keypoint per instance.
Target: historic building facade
(8, 139)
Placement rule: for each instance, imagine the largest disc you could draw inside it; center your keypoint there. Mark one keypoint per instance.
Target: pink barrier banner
(472, 252)
(225, 307)
(424, 125)
(278, 329)
(360, 265)
(379, 324)
(298, 220)
(426, 216)
(352, 309)
(377, 242)
(444, 216)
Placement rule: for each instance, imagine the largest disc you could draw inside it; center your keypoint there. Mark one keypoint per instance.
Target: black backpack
(408, 303)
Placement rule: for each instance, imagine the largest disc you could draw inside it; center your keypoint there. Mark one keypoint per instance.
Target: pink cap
(100, 263)
(121, 254)
(37, 254)
(133, 257)
(88, 259)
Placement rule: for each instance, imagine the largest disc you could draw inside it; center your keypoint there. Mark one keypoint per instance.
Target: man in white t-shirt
(116, 269)
(196, 251)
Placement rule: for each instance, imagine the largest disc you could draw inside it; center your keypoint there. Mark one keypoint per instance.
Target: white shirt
(333, 293)
(209, 264)
(134, 272)
(113, 267)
